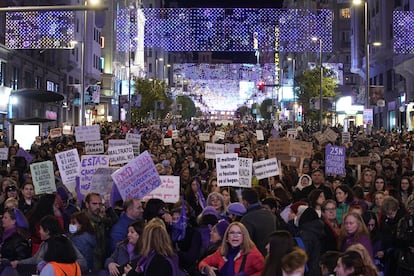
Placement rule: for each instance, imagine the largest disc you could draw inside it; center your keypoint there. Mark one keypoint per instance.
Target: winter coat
(85, 243)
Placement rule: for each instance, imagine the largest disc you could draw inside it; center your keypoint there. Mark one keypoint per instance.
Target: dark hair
(346, 189)
(313, 197)
(88, 196)
(329, 260)
(51, 224)
(280, 243)
(250, 196)
(60, 249)
(232, 193)
(43, 207)
(153, 208)
(352, 259)
(84, 221)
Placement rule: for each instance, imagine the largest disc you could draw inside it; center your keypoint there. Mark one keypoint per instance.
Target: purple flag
(22, 153)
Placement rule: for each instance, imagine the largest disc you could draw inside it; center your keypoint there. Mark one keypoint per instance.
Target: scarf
(7, 233)
(228, 267)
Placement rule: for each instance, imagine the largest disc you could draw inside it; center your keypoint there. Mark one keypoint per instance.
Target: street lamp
(320, 80)
(294, 92)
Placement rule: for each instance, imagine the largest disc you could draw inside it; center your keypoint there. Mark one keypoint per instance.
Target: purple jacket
(364, 240)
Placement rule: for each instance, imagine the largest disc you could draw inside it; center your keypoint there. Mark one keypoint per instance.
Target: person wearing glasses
(237, 255)
(332, 226)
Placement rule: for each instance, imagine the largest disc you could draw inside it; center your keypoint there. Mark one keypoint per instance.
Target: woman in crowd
(350, 263)
(304, 181)
(15, 239)
(82, 235)
(316, 198)
(371, 221)
(332, 227)
(404, 190)
(366, 258)
(27, 200)
(354, 231)
(193, 196)
(293, 264)
(378, 199)
(216, 200)
(279, 245)
(126, 252)
(378, 185)
(212, 186)
(60, 258)
(343, 196)
(157, 254)
(229, 195)
(237, 248)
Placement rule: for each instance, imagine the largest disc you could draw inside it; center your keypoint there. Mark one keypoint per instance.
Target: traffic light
(260, 86)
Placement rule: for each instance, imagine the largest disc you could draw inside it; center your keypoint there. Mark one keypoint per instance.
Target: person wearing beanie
(304, 181)
(216, 237)
(236, 210)
(209, 210)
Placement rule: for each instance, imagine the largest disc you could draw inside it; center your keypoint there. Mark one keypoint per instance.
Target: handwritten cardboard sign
(94, 147)
(69, 167)
(87, 133)
(55, 132)
(227, 166)
(212, 149)
(120, 154)
(168, 191)
(259, 135)
(359, 160)
(135, 140)
(137, 178)
(89, 165)
(245, 172)
(266, 168)
(204, 137)
(43, 177)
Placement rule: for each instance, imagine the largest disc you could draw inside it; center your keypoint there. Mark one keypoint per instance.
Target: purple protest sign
(137, 178)
(335, 160)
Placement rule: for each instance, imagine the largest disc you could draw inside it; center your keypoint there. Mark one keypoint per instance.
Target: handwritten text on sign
(227, 169)
(266, 168)
(168, 191)
(89, 164)
(87, 133)
(69, 167)
(137, 178)
(43, 177)
(94, 147)
(120, 154)
(213, 149)
(335, 160)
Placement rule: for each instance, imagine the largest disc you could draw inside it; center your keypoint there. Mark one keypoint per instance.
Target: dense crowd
(300, 222)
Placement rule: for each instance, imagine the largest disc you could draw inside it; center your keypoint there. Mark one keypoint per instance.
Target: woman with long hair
(157, 254)
(353, 231)
(351, 263)
(236, 254)
(344, 196)
(280, 243)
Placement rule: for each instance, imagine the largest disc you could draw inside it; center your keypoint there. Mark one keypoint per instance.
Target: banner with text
(212, 149)
(43, 177)
(135, 140)
(266, 168)
(227, 166)
(69, 167)
(89, 165)
(168, 191)
(120, 154)
(102, 181)
(94, 147)
(245, 172)
(87, 133)
(335, 160)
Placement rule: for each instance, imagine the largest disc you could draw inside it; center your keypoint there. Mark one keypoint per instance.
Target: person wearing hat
(235, 211)
(216, 237)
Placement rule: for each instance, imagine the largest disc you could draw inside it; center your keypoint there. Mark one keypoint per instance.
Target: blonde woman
(236, 254)
(366, 258)
(158, 256)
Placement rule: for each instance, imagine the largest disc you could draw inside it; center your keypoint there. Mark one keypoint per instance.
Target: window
(345, 13)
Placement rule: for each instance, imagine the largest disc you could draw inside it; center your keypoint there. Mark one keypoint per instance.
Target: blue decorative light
(216, 29)
(403, 25)
(39, 29)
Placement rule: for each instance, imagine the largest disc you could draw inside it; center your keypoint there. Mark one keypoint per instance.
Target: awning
(38, 95)
(32, 120)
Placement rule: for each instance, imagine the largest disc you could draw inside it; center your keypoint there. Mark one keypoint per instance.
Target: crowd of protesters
(301, 222)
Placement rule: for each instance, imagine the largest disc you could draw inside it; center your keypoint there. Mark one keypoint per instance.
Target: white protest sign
(232, 148)
(117, 142)
(69, 167)
(168, 191)
(87, 133)
(227, 169)
(137, 178)
(175, 134)
(245, 172)
(213, 149)
(266, 168)
(43, 177)
(219, 134)
(204, 137)
(102, 181)
(67, 130)
(4, 153)
(120, 154)
(292, 133)
(135, 140)
(55, 132)
(89, 164)
(167, 141)
(259, 135)
(94, 147)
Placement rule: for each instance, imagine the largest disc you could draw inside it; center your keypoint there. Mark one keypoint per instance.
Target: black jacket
(16, 247)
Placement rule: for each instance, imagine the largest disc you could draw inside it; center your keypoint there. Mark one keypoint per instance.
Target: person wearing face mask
(81, 233)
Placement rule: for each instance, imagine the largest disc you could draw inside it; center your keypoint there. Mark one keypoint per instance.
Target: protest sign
(89, 164)
(213, 149)
(259, 135)
(330, 135)
(137, 178)
(117, 142)
(292, 133)
(321, 138)
(55, 132)
(204, 137)
(227, 166)
(175, 134)
(87, 133)
(346, 137)
(278, 147)
(4, 153)
(266, 168)
(245, 172)
(232, 148)
(135, 140)
(94, 147)
(168, 191)
(102, 181)
(220, 134)
(167, 141)
(120, 154)
(335, 160)
(359, 160)
(300, 148)
(69, 167)
(67, 130)
(43, 177)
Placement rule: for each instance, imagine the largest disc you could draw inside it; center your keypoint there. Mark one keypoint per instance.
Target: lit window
(345, 13)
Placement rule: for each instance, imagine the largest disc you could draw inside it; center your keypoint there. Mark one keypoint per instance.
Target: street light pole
(320, 81)
(82, 92)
